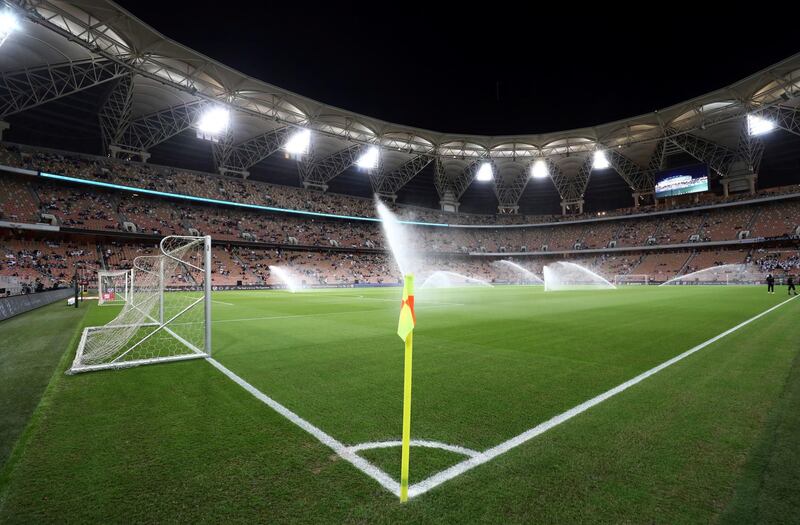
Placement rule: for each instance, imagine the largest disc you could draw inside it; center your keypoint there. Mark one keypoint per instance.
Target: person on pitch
(770, 284)
(790, 285)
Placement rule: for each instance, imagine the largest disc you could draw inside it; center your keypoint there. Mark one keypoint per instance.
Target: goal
(167, 316)
(113, 287)
(640, 279)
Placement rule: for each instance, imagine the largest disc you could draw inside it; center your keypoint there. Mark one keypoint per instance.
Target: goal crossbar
(631, 278)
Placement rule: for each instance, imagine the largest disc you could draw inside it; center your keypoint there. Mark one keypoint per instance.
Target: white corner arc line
(502, 448)
(415, 443)
(326, 439)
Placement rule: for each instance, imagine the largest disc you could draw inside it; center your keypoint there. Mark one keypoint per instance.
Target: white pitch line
(326, 439)
(222, 302)
(502, 448)
(415, 443)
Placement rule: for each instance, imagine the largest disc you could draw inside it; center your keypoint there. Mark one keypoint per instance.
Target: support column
(640, 196)
(3, 127)
(315, 186)
(118, 152)
(449, 201)
(507, 210)
(231, 172)
(725, 192)
(572, 204)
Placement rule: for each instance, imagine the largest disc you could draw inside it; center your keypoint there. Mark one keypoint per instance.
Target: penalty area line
(489, 454)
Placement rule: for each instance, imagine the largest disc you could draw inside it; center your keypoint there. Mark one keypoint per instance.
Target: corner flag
(407, 317)
(405, 329)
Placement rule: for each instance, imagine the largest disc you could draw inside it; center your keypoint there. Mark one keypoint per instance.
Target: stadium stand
(17, 202)
(781, 219)
(347, 251)
(209, 185)
(705, 259)
(663, 266)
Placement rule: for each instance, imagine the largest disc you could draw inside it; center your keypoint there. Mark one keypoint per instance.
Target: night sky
(499, 70)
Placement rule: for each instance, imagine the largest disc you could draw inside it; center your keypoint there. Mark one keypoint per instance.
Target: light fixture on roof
(213, 123)
(8, 24)
(600, 160)
(298, 143)
(759, 125)
(539, 169)
(369, 159)
(485, 172)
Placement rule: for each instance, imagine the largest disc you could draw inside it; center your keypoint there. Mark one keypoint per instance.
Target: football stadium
(223, 300)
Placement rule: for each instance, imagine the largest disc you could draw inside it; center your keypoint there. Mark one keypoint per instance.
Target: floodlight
(214, 121)
(759, 125)
(485, 172)
(369, 159)
(299, 142)
(539, 169)
(600, 161)
(8, 24)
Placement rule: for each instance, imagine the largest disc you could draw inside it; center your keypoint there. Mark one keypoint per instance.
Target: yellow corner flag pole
(406, 421)
(405, 329)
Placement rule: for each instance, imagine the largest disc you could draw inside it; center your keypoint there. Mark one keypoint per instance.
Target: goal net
(639, 279)
(113, 287)
(168, 313)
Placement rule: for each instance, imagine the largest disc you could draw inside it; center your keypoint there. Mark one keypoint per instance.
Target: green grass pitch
(712, 437)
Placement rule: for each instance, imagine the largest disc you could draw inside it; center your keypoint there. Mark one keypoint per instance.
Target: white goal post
(167, 316)
(631, 278)
(113, 287)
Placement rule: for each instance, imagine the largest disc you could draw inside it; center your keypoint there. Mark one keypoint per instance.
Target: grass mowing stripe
(767, 491)
(31, 346)
(19, 447)
(458, 469)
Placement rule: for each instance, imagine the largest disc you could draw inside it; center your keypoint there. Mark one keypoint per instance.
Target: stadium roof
(67, 47)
